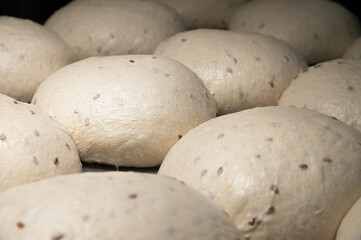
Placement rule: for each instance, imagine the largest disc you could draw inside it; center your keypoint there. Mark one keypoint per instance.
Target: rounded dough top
(354, 51)
(273, 167)
(29, 54)
(241, 70)
(113, 205)
(332, 88)
(126, 110)
(32, 146)
(114, 27)
(308, 25)
(350, 225)
(204, 13)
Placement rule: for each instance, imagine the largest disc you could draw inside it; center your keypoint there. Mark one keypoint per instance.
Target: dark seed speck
(303, 166)
(20, 225)
(326, 159)
(275, 189)
(132, 195)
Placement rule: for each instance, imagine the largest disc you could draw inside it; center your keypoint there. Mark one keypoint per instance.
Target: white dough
(350, 228)
(353, 51)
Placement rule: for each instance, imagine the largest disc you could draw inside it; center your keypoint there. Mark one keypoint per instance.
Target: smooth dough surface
(126, 110)
(32, 146)
(115, 205)
(280, 172)
(114, 27)
(29, 53)
(350, 226)
(241, 70)
(204, 13)
(332, 88)
(320, 30)
(354, 51)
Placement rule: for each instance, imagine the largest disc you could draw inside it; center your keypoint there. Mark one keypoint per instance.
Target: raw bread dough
(241, 70)
(126, 110)
(321, 30)
(114, 27)
(350, 226)
(29, 53)
(354, 51)
(279, 172)
(332, 88)
(113, 205)
(32, 146)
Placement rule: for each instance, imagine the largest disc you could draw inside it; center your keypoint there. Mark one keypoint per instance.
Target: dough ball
(279, 172)
(114, 27)
(350, 225)
(29, 54)
(116, 205)
(32, 146)
(204, 13)
(126, 110)
(241, 70)
(354, 51)
(332, 88)
(321, 30)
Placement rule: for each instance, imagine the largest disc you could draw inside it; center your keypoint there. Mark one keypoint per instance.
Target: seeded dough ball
(350, 225)
(114, 27)
(279, 172)
(29, 53)
(204, 13)
(321, 30)
(116, 205)
(32, 146)
(354, 51)
(332, 88)
(241, 70)
(126, 110)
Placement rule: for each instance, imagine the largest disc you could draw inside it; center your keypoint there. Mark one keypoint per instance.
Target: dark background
(40, 10)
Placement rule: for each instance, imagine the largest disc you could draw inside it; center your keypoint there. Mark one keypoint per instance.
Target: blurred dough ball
(115, 205)
(241, 70)
(126, 110)
(321, 30)
(350, 226)
(204, 13)
(354, 51)
(29, 53)
(332, 88)
(279, 172)
(114, 27)
(32, 146)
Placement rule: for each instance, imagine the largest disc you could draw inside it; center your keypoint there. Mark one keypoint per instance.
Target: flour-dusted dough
(126, 110)
(32, 146)
(113, 205)
(321, 30)
(350, 228)
(204, 13)
(354, 51)
(241, 70)
(29, 53)
(279, 172)
(114, 27)
(332, 88)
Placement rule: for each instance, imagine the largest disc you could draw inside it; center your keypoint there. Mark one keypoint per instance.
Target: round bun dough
(350, 226)
(113, 205)
(29, 54)
(279, 172)
(32, 146)
(114, 27)
(354, 51)
(241, 70)
(321, 30)
(332, 88)
(126, 110)
(204, 13)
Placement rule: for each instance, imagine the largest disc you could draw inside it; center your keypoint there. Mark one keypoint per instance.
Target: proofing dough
(279, 172)
(321, 30)
(114, 27)
(241, 70)
(354, 51)
(350, 226)
(332, 88)
(32, 146)
(204, 13)
(116, 205)
(29, 53)
(126, 110)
